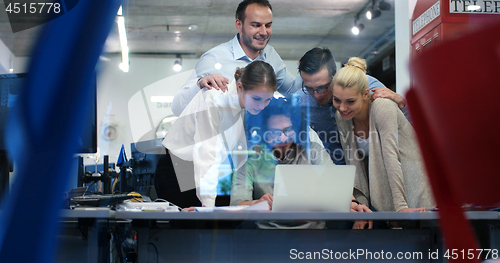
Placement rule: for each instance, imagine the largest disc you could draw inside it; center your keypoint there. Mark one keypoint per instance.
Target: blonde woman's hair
(353, 74)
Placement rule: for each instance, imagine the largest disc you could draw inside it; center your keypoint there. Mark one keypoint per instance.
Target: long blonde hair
(353, 74)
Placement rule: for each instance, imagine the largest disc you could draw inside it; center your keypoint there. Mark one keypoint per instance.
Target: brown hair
(353, 74)
(257, 73)
(242, 7)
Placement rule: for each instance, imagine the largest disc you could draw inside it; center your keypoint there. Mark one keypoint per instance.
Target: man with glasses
(283, 126)
(316, 69)
(286, 143)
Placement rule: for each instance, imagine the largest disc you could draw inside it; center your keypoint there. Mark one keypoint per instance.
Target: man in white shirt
(217, 66)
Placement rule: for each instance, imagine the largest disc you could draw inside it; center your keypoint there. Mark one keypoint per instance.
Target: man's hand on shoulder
(388, 94)
(213, 81)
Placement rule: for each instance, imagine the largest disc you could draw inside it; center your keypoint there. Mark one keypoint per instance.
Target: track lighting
(372, 14)
(177, 64)
(357, 28)
(122, 33)
(383, 5)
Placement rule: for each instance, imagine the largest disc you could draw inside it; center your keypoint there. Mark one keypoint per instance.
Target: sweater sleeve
(242, 184)
(386, 120)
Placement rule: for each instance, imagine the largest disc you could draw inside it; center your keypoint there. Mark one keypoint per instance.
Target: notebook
(313, 188)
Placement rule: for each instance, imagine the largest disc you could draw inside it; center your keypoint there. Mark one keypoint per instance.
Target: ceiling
(160, 27)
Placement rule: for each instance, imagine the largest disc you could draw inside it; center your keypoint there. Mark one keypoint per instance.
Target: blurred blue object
(122, 157)
(43, 126)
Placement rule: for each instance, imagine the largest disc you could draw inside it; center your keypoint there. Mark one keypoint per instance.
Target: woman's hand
(421, 209)
(188, 209)
(361, 224)
(359, 208)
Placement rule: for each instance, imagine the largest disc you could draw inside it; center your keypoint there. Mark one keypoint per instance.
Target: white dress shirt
(228, 57)
(207, 131)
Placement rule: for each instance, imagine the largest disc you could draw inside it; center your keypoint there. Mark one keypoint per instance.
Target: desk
(84, 235)
(268, 215)
(255, 245)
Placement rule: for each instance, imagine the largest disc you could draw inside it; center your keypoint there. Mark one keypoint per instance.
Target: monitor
(10, 88)
(11, 84)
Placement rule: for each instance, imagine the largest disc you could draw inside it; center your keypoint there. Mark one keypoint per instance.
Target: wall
(403, 13)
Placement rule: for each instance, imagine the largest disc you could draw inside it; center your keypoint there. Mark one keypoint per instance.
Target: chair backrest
(454, 106)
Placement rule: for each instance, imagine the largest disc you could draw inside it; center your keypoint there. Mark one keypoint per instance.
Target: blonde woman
(380, 142)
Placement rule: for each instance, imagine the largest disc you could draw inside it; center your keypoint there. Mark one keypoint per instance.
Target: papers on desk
(261, 206)
(148, 206)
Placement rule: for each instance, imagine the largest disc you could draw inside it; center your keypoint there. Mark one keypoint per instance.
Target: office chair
(454, 104)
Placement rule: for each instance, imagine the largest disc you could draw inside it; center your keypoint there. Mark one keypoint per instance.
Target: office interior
(135, 106)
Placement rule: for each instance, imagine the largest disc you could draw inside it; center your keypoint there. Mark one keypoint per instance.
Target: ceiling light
(122, 34)
(177, 64)
(372, 14)
(383, 5)
(11, 63)
(357, 28)
(181, 28)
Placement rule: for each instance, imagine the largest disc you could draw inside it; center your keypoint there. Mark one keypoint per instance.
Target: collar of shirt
(332, 110)
(239, 54)
(290, 156)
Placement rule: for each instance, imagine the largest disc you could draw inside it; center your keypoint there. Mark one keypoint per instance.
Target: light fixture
(373, 12)
(11, 63)
(177, 64)
(122, 33)
(181, 28)
(383, 5)
(357, 27)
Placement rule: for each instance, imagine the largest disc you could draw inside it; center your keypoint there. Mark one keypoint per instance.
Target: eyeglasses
(275, 133)
(320, 89)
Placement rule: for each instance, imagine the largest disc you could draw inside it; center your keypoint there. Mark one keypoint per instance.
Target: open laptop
(313, 188)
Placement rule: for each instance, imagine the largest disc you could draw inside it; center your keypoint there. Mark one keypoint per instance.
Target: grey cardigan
(393, 177)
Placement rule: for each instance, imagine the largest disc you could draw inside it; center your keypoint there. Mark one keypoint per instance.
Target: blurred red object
(455, 107)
